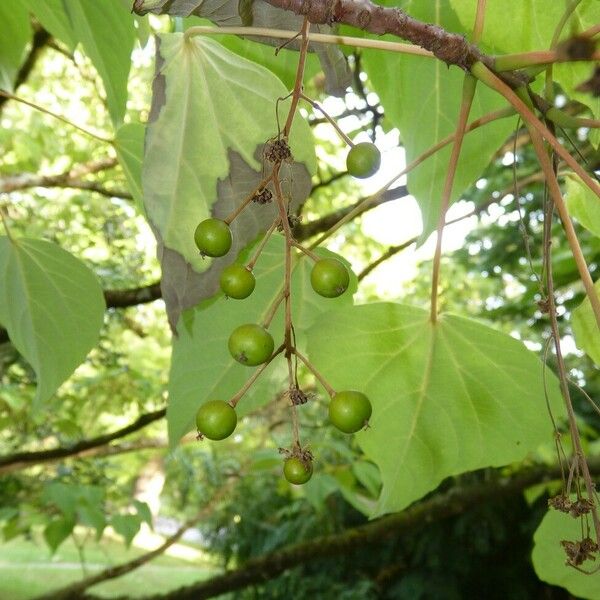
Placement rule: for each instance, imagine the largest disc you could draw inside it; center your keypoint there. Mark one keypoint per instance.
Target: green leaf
(368, 475)
(532, 22)
(127, 526)
(583, 204)
(202, 368)
(15, 34)
(57, 531)
(549, 556)
(54, 18)
(585, 328)
(319, 487)
(209, 105)
(422, 98)
(106, 32)
(52, 306)
(447, 398)
(129, 146)
(143, 511)
(91, 515)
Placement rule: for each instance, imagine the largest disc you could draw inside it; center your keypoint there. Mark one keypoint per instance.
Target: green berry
(216, 419)
(329, 277)
(296, 471)
(251, 344)
(237, 281)
(350, 411)
(363, 160)
(213, 237)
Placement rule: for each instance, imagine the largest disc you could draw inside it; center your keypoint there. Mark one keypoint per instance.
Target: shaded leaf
(57, 531)
(52, 306)
(549, 557)
(447, 398)
(127, 526)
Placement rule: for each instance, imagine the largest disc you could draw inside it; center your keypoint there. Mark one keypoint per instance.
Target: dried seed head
(578, 552)
(263, 196)
(278, 151)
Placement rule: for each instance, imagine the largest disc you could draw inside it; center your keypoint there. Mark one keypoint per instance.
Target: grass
(27, 569)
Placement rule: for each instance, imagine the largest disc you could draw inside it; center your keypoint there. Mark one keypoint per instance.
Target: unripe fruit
(237, 281)
(216, 419)
(296, 471)
(363, 160)
(329, 277)
(213, 237)
(350, 411)
(251, 344)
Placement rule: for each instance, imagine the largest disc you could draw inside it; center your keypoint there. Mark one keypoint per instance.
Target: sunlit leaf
(447, 398)
(53, 17)
(583, 204)
(106, 32)
(422, 98)
(585, 328)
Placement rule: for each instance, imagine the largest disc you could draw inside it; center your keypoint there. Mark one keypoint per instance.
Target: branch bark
(20, 460)
(69, 179)
(304, 231)
(441, 506)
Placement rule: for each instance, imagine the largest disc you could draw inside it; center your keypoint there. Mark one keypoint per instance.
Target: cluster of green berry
(252, 345)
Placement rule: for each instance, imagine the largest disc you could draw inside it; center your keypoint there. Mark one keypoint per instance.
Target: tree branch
(20, 460)
(452, 48)
(441, 506)
(40, 39)
(68, 179)
(308, 230)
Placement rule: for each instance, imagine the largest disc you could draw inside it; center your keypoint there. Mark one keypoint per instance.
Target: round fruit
(237, 281)
(349, 411)
(363, 160)
(213, 237)
(329, 277)
(216, 419)
(297, 472)
(251, 344)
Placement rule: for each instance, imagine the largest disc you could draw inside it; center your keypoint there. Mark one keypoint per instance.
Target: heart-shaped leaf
(447, 398)
(52, 306)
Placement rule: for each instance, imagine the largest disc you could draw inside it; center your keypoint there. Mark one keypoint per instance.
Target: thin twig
(468, 92)
(96, 136)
